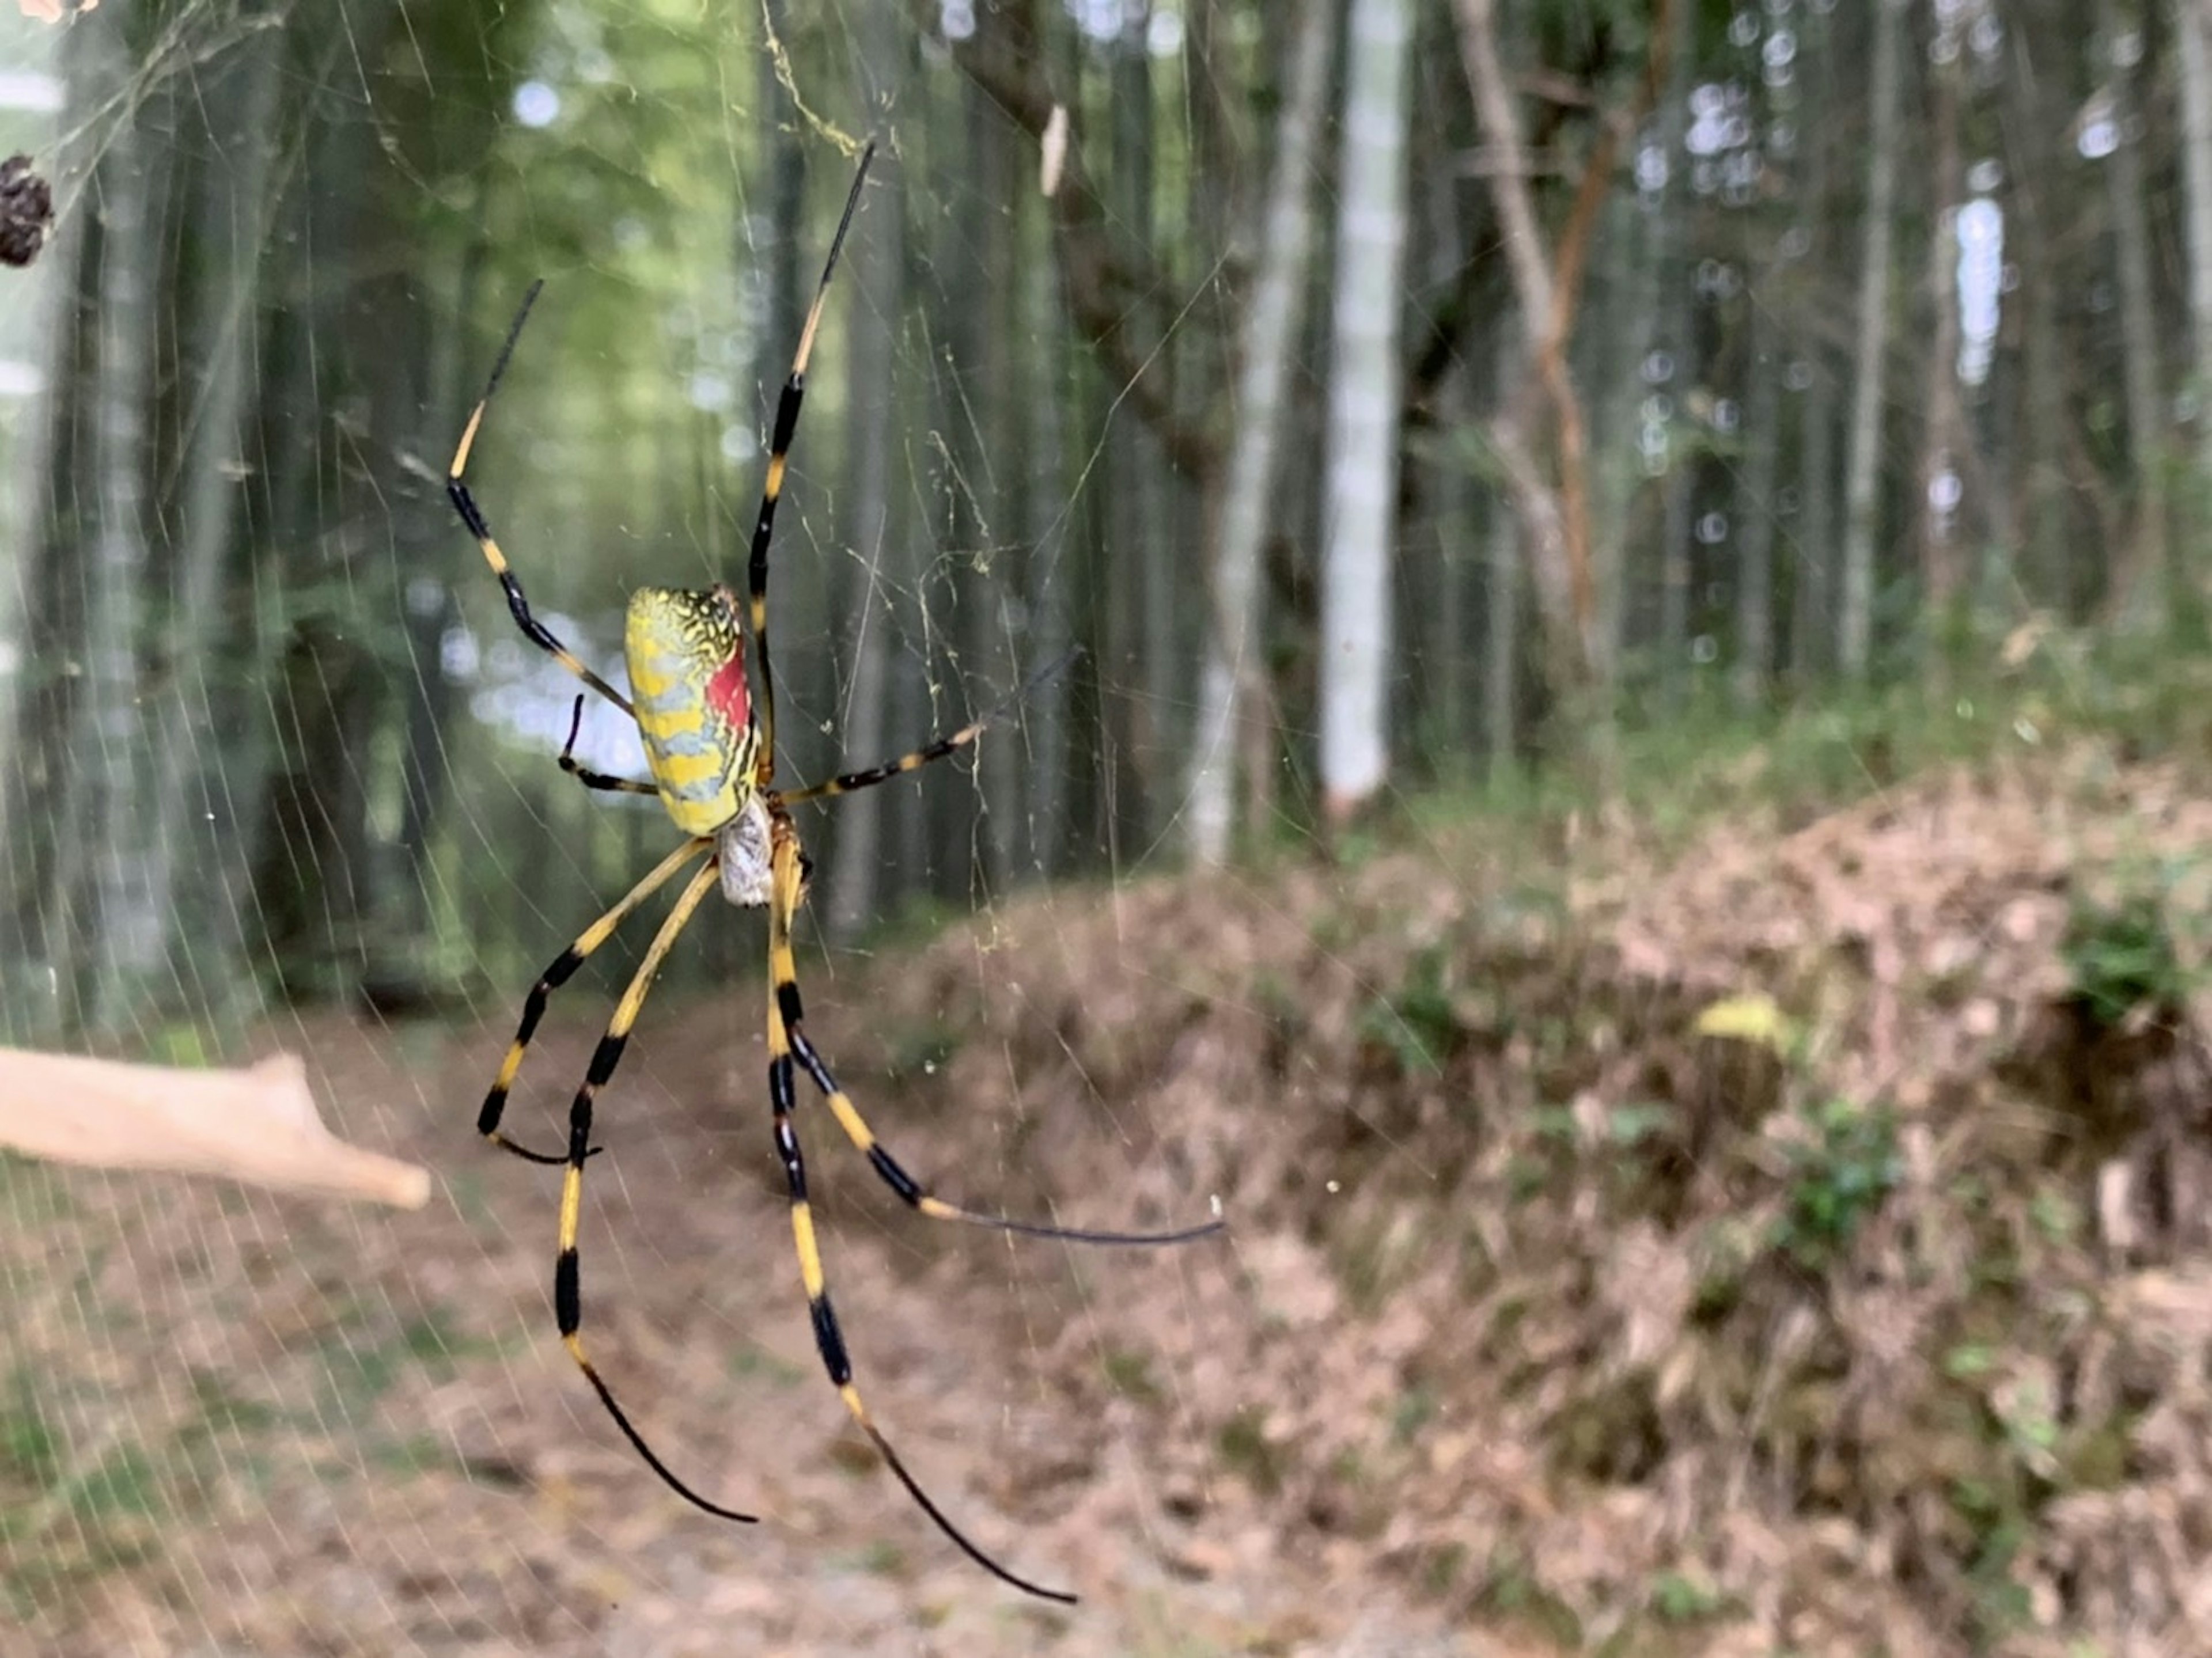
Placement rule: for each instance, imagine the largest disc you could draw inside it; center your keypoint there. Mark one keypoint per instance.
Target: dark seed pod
(27, 209)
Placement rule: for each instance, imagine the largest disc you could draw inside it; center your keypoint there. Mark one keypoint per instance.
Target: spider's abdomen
(695, 712)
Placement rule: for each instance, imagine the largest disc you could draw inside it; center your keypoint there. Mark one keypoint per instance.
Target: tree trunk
(986, 497)
(1675, 334)
(1943, 469)
(1812, 590)
(2193, 32)
(1862, 497)
(1502, 662)
(1553, 498)
(230, 234)
(1140, 507)
(1755, 581)
(40, 592)
(1545, 511)
(1812, 543)
(1273, 320)
(1046, 496)
(2035, 161)
(1677, 551)
(1363, 411)
(2140, 585)
(875, 274)
(111, 744)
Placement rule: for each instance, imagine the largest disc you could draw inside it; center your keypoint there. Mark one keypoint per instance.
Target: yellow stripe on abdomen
(676, 641)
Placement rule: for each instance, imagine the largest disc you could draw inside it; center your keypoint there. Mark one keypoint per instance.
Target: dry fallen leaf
(1753, 1018)
(257, 1124)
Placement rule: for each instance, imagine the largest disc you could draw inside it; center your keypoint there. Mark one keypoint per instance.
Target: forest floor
(1796, 1242)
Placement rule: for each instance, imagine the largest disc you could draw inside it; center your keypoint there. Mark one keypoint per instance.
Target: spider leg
(472, 515)
(949, 744)
(567, 1291)
(847, 783)
(779, 451)
(829, 1339)
(912, 1192)
(562, 968)
(605, 782)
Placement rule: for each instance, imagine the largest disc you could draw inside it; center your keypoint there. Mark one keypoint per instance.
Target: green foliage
(2123, 953)
(185, 1045)
(1415, 1024)
(1441, 1569)
(1674, 771)
(30, 1458)
(1413, 1411)
(1246, 1450)
(357, 1372)
(1678, 1597)
(62, 1522)
(1840, 1174)
(1999, 1603)
(1128, 1372)
(1512, 1593)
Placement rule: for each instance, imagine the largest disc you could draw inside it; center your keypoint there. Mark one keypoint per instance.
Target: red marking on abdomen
(727, 694)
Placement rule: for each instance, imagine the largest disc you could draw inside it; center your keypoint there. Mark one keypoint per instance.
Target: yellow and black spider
(712, 756)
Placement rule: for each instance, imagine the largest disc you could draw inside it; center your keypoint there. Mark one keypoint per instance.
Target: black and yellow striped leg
(911, 1191)
(568, 1284)
(779, 452)
(827, 1338)
(950, 743)
(847, 783)
(600, 780)
(562, 968)
(472, 515)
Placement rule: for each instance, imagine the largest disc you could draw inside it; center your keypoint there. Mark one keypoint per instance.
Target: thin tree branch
(1106, 279)
(1549, 288)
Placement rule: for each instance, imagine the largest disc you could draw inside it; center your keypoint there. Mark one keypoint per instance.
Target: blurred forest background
(1630, 804)
(1623, 366)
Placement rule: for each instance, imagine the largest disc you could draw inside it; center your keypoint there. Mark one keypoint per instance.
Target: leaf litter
(1796, 1245)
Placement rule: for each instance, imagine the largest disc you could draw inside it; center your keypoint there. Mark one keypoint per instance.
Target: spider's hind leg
(567, 1270)
(557, 973)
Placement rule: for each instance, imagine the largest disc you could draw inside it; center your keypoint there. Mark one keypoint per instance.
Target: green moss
(1245, 1450)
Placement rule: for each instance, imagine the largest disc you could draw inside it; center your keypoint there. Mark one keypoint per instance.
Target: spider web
(231, 1421)
(235, 1422)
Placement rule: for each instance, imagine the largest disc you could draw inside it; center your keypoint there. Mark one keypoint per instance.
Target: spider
(711, 747)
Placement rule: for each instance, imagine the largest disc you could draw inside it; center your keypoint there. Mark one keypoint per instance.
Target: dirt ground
(1799, 1245)
(244, 1423)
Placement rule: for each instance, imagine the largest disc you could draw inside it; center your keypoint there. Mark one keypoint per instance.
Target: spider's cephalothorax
(713, 759)
(694, 715)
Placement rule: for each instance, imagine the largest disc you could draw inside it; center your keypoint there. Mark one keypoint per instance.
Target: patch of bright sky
(537, 104)
(519, 689)
(1099, 20)
(1979, 225)
(27, 89)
